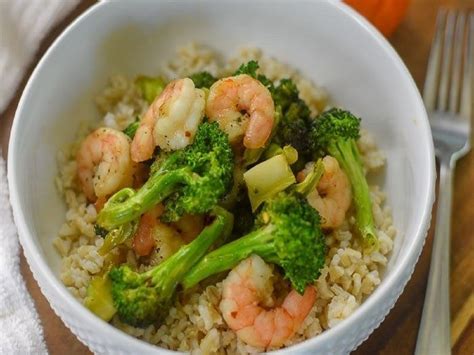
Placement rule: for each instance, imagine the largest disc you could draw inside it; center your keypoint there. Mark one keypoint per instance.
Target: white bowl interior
(358, 70)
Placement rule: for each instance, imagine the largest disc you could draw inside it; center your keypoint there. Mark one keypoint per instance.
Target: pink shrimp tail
(257, 132)
(142, 145)
(298, 306)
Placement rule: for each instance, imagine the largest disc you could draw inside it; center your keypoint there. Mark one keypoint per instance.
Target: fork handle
(435, 328)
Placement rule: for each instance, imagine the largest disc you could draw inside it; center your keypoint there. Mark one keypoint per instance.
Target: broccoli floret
(238, 203)
(143, 298)
(203, 79)
(335, 132)
(191, 181)
(288, 234)
(294, 126)
(250, 68)
(244, 220)
(150, 87)
(332, 127)
(285, 94)
(131, 129)
(211, 157)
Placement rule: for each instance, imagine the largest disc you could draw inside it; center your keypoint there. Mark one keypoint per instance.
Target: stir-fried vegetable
(288, 234)
(267, 179)
(150, 87)
(311, 180)
(295, 122)
(335, 132)
(211, 177)
(290, 153)
(189, 181)
(142, 298)
(99, 297)
(132, 128)
(118, 236)
(203, 80)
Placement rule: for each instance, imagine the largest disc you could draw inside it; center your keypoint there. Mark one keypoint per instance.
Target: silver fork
(448, 97)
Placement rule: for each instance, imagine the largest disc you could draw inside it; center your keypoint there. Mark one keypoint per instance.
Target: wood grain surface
(397, 334)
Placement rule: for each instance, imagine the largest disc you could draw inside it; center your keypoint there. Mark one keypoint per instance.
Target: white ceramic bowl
(326, 41)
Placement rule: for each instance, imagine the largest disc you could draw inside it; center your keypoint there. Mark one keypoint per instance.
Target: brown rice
(350, 275)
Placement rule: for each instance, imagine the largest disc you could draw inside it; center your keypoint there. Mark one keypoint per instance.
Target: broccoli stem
(288, 235)
(170, 272)
(128, 204)
(143, 298)
(347, 154)
(311, 180)
(259, 242)
(131, 129)
(118, 236)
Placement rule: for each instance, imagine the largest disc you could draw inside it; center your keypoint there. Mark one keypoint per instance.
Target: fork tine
(466, 106)
(457, 62)
(446, 61)
(431, 81)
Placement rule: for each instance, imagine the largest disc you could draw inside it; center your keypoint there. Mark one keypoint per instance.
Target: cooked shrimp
(103, 163)
(171, 121)
(247, 301)
(144, 241)
(243, 106)
(99, 203)
(189, 226)
(332, 197)
(155, 238)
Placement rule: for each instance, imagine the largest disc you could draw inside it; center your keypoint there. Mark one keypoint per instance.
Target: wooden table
(397, 334)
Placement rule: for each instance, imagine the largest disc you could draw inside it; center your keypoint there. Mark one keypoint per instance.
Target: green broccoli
(191, 180)
(150, 87)
(287, 233)
(335, 132)
(203, 79)
(251, 68)
(117, 236)
(311, 180)
(131, 129)
(244, 220)
(143, 298)
(295, 120)
(238, 203)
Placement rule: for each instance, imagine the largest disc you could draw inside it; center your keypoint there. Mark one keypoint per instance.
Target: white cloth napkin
(20, 329)
(23, 24)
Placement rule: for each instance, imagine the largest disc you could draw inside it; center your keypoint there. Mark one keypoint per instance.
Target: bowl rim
(41, 270)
